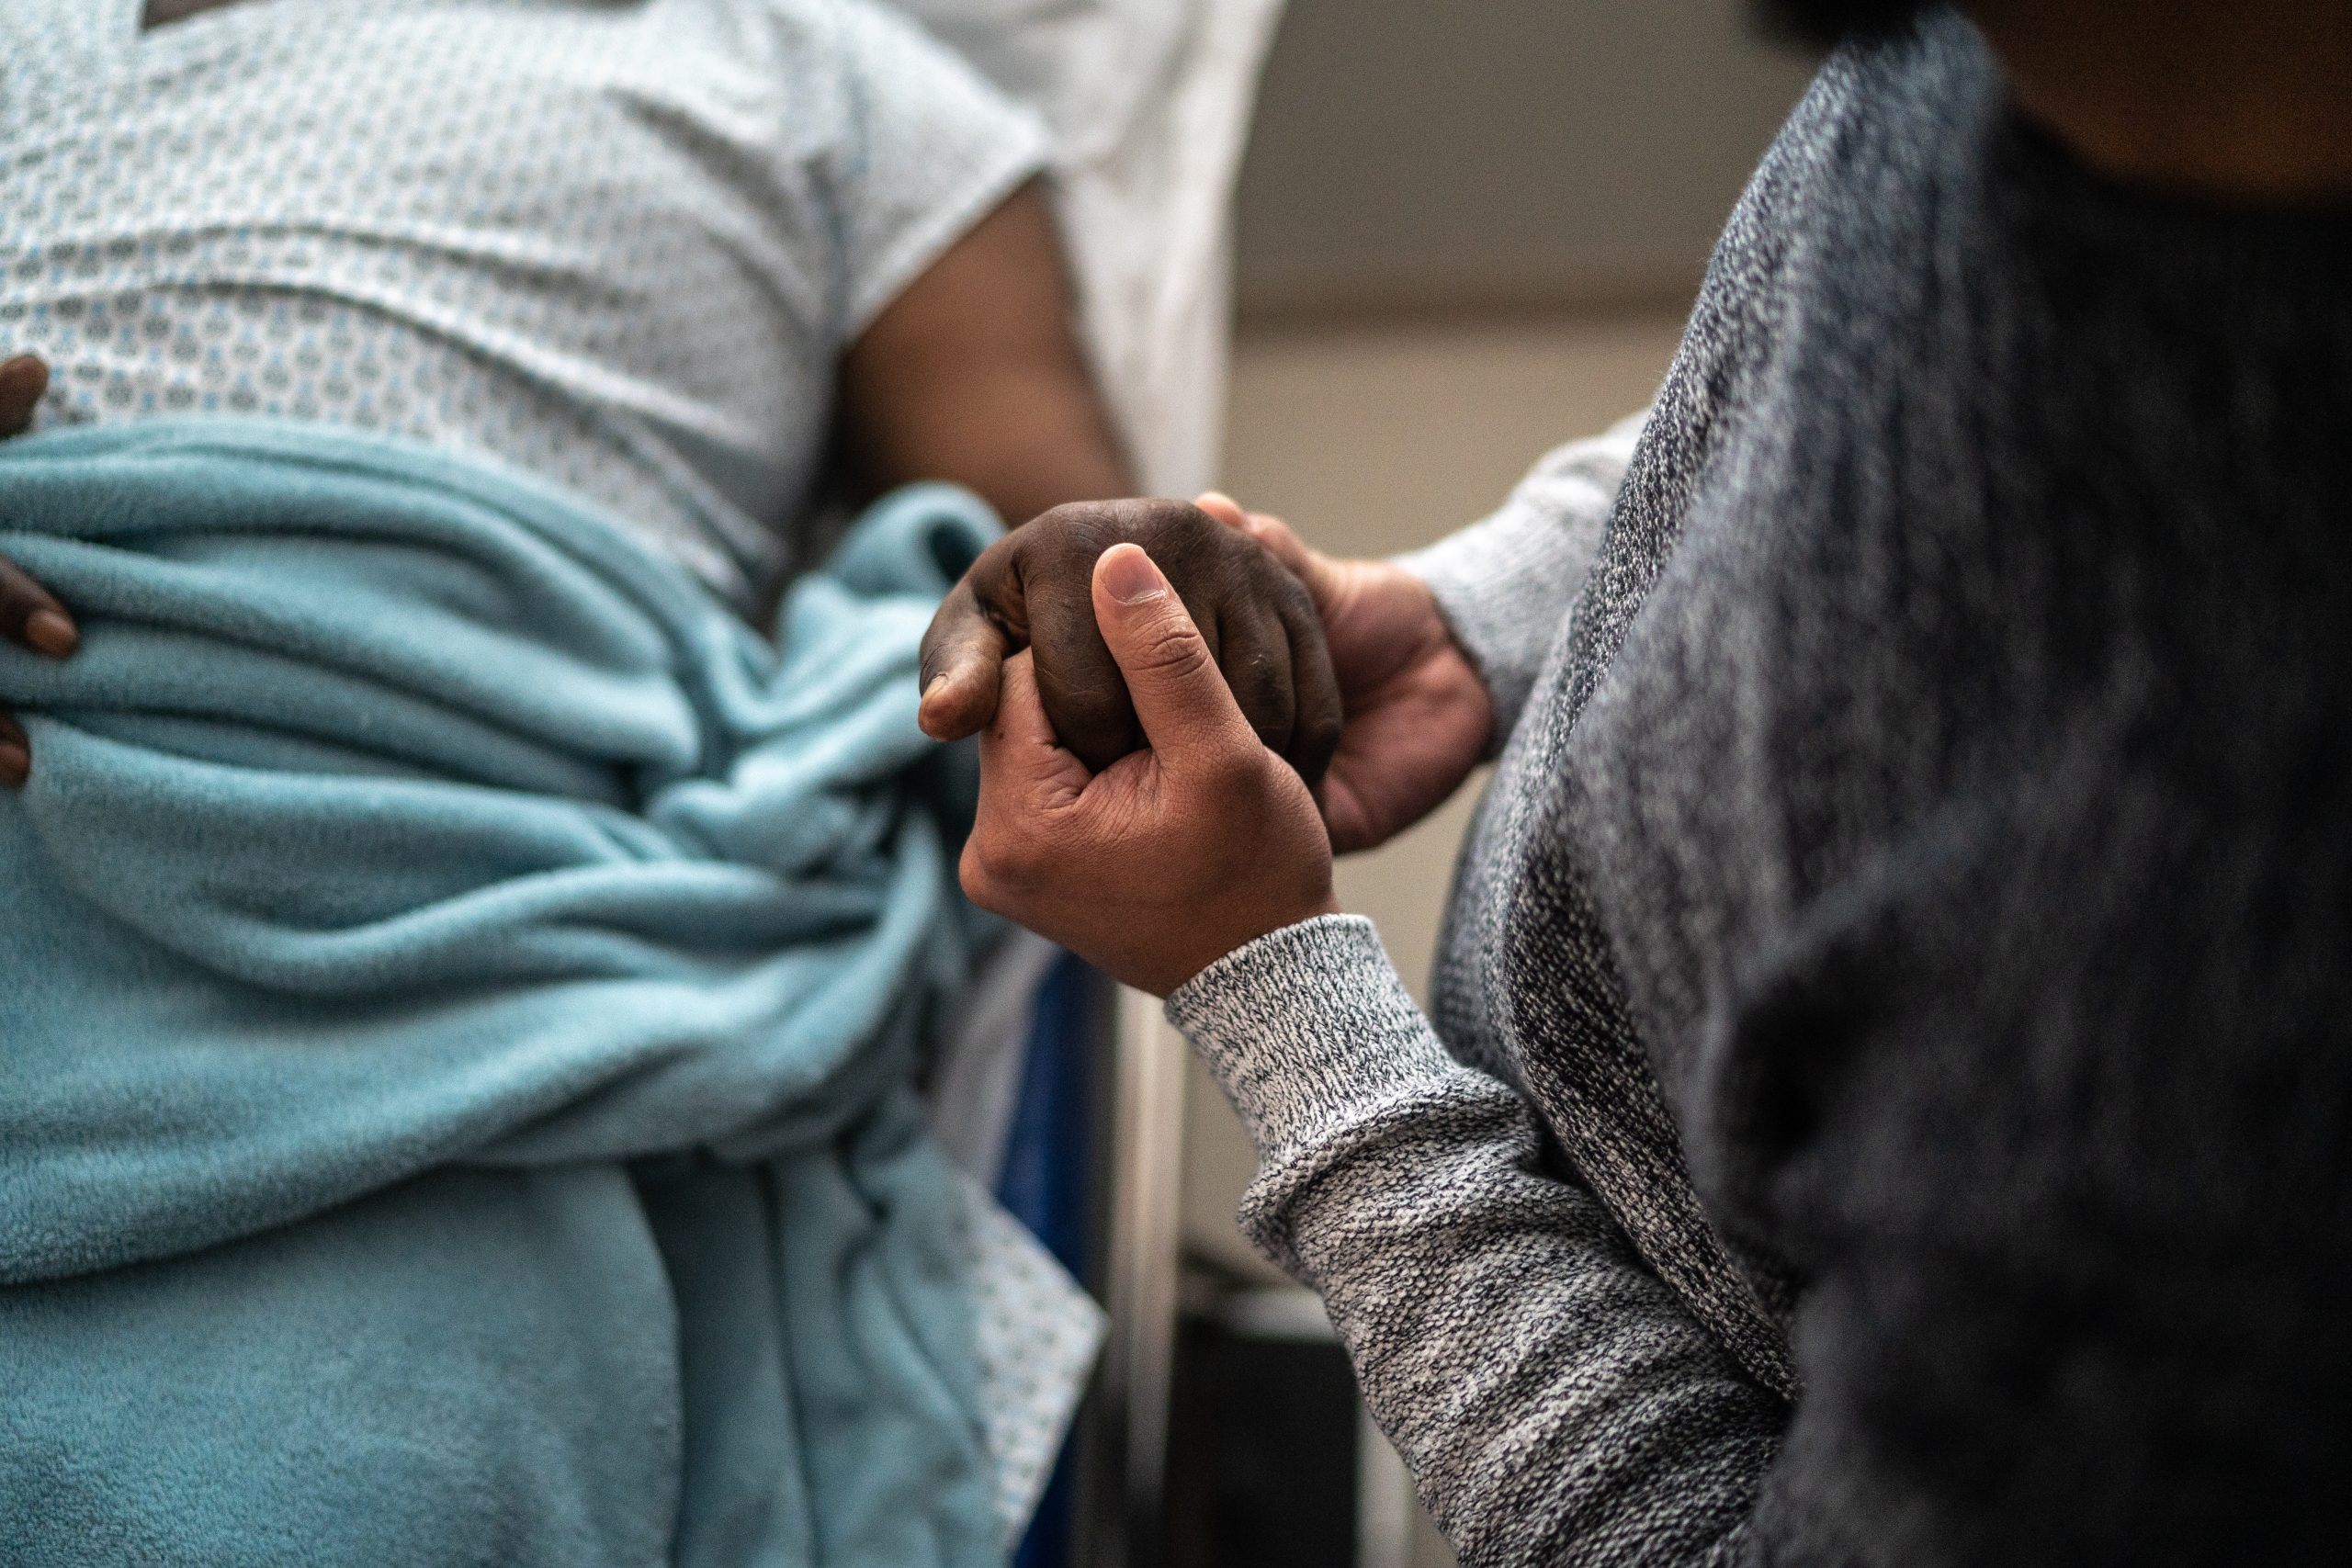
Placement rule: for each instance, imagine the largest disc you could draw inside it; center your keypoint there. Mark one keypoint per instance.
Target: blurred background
(1467, 233)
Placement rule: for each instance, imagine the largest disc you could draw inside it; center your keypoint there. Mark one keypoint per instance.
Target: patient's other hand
(1034, 589)
(28, 614)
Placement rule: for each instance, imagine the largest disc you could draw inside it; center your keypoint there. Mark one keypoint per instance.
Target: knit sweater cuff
(1307, 1027)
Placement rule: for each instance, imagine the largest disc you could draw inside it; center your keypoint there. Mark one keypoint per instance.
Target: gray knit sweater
(1889, 1097)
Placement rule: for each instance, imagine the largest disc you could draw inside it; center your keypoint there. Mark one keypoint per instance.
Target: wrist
(1236, 929)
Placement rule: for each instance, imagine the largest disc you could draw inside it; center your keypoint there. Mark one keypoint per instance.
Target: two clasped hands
(1183, 712)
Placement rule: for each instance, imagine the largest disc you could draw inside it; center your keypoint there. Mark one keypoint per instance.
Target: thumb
(963, 650)
(1180, 695)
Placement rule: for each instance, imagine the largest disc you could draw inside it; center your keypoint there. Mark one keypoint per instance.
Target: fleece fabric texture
(462, 990)
(1888, 1086)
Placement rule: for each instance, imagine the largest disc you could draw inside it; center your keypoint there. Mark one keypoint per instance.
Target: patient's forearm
(976, 374)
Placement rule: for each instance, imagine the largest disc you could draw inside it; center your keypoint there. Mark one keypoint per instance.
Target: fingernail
(1130, 575)
(51, 633)
(16, 764)
(931, 686)
(1218, 498)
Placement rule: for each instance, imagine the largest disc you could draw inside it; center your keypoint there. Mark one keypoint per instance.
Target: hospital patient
(710, 267)
(700, 262)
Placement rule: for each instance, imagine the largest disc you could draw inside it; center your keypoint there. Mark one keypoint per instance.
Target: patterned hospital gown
(619, 244)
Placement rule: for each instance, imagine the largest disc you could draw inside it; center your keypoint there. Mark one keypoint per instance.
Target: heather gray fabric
(1889, 1097)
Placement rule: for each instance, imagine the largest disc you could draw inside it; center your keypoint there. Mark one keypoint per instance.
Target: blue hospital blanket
(460, 990)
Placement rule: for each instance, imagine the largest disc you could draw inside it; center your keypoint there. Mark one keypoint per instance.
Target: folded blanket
(459, 995)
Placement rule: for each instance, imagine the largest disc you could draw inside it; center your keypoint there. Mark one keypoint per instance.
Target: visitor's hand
(28, 614)
(1417, 715)
(1159, 865)
(1033, 589)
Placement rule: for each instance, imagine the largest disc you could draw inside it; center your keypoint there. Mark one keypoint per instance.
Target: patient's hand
(28, 614)
(1034, 589)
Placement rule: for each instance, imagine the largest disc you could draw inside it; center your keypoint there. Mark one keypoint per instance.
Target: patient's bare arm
(29, 615)
(974, 374)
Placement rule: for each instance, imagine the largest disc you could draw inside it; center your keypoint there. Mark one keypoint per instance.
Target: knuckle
(983, 893)
(1291, 593)
(1074, 529)
(984, 594)
(986, 568)
(971, 872)
(986, 882)
(1234, 772)
(1166, 519)
(1263, 688)
(1171, 649)
(1195, 548)
(1000, 860)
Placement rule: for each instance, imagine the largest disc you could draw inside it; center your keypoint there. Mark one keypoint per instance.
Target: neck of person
(2240, 102)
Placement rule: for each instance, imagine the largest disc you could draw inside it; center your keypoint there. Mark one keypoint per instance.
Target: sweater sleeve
(1505, 584)
(1553, 1399)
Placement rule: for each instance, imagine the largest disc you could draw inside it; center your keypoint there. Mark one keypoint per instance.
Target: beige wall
(1437, 152)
